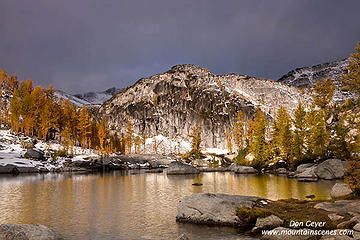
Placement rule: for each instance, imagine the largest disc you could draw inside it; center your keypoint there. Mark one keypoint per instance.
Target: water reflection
(122, 205)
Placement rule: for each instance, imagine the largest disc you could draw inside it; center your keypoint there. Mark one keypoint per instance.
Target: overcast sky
(91, 45)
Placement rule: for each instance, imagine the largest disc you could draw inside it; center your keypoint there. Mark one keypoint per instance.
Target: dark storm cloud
(83, 45)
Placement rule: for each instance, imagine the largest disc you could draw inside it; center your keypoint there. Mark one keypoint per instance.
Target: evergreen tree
(102, 133)
(351, 80)
(229, 141)
(84, 127)
(300, 126)
(258, 144)
(195, 136)
(129, 136)
(282, 135)
(15, 109)
(338, 146)
(317, 134)
(324, 92)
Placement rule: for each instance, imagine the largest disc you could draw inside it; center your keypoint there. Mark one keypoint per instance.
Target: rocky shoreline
(254, 215)
(35, 161)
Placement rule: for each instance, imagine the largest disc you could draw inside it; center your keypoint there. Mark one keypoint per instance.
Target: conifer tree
(300, 126)
(282, 135)
(84, 127)
(102, 133)
(317, 134)
(351, 80)
(338, 146)
(137, 144)
(353, 163)
(15, 109)
(129, 136)
(195, 136)
(229, 141)
(49, 118)
(324, 92)
(66, 138)
(258, 143)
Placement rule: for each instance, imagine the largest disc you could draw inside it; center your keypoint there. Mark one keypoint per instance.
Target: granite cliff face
(306, 77)
(173, 102)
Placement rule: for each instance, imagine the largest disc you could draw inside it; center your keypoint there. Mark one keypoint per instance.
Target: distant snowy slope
(89, 98)
(98, 97)
(74, 100)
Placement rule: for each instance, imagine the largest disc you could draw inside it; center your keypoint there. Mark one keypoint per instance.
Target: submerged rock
(27, 232)
(197, 184)
(340, 190)
(219, 209)
(181, 168)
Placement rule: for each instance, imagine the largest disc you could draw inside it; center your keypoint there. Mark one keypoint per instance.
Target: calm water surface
(125, 205)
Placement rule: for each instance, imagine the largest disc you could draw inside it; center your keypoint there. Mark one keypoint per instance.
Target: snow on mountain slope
(98, 97)
(172, 103)
(74, 100)
(89, 98)
(306, 77)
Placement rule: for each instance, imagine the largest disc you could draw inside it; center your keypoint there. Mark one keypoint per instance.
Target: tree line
(316, 132)
(38, 112)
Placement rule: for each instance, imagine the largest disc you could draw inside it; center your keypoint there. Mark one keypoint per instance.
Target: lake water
(132, 205)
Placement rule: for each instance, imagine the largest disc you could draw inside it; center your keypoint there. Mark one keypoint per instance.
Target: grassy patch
(302, 211)
(249, 215)
(290, 210)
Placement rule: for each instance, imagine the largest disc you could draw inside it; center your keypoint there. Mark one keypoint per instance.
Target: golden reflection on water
(122, 205)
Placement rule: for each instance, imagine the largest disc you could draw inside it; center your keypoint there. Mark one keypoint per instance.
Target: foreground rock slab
(181, 168)
(219, 209)
(27, 232)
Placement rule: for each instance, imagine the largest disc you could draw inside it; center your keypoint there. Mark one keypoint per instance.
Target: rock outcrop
(176, 168)
(341, 206)
(236, 168)
(207, 208)
(171, 103)
(330, 169)
(27, 232)
(34, 153)
(340, 190)
(308, 76)
(269, 222)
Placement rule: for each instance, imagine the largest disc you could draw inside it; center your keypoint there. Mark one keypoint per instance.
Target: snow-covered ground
(74, 100)
(12, 152)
